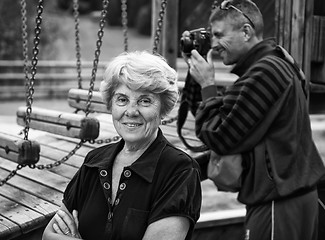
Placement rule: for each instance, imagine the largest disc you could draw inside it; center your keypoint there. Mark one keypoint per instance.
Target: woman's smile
(136, 115)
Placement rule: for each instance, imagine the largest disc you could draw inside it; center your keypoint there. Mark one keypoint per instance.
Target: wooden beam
(155, 4)
(77, 98)
(293, 20)
(306, 61)
(170, 41)
(66, 124)
(19, 151)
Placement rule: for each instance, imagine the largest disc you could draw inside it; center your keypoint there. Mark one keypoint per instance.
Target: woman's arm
(169, 228)
(63, 225)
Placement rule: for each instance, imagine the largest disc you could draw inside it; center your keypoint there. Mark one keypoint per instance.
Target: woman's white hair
(141, 70)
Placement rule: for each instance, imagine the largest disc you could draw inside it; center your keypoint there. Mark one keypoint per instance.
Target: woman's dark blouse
(163, 182)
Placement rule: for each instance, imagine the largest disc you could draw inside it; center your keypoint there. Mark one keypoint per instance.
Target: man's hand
(202, 70)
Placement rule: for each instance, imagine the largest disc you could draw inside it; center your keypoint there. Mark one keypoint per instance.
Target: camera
(199, 39)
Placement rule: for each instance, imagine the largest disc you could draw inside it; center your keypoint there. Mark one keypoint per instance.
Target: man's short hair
(248, 12)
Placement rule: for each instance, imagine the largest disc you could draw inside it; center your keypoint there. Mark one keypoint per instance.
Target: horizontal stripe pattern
(223, 124)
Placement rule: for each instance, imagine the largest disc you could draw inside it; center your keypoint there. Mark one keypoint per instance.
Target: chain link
(168, 121)
(107, 140)
(116, 138)
(159, 25)
(59, 162)
(41, 166)
(30, 84)
(97, 53)
(11, 174)
(25, 44)
(77, 41)
(125, 23)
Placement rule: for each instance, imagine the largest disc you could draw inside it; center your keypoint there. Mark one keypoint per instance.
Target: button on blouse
(127, 173)
(122, 186)
(106, 185)
(103, 173)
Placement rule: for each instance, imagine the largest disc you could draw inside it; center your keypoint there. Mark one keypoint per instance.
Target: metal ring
(67, 232)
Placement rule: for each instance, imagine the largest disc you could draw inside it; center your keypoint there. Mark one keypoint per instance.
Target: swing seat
(65, 124)
(77, 98)
(19, 151)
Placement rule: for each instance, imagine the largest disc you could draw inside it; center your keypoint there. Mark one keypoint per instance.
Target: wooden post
(168, 46)
(293, 30)
(170, 39)
(154, 18)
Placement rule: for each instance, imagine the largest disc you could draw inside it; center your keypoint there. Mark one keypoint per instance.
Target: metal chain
(11, 174)
(31, 83)
(125, 23)
(97, 53)
(70, 154)
(25, 45)
(159, 25)
(77, 41)
(115, 138)
(107, 140)
(41, 166)
(165, 122)
(59, 162)
(35, 52)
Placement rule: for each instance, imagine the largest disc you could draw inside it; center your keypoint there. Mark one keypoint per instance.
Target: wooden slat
(38, 189)
(41, 206)
(25, 217)
(67, 124)
(297, 34)
(50, 179)
(8, 229)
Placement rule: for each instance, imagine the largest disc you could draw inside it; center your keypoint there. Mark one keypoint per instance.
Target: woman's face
(136, 115)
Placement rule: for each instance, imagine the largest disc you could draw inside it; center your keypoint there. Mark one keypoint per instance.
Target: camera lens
(186, 45)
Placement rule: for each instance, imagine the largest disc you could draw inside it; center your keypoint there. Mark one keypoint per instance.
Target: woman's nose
(132, 110)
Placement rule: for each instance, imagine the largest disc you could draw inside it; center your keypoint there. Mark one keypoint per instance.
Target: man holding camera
(264, 117)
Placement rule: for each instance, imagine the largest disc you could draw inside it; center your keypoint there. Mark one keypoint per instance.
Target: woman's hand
(66, 224)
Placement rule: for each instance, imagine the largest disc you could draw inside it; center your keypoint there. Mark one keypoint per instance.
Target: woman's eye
(145, 102)
(121, 101)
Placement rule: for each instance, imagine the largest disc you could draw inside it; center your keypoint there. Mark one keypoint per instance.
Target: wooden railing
(55, 78)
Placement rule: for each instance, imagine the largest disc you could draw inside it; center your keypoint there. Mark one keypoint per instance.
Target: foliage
(11, 34)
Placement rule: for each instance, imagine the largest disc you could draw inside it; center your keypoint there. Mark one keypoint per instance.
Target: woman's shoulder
(97, 155)
(175, 156)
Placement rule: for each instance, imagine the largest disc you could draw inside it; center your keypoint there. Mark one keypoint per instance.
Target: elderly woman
(141, 187)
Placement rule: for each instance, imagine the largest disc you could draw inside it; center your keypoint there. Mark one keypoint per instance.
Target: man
(264, 116)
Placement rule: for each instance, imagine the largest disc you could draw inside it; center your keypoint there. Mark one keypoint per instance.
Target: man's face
(228, 41)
